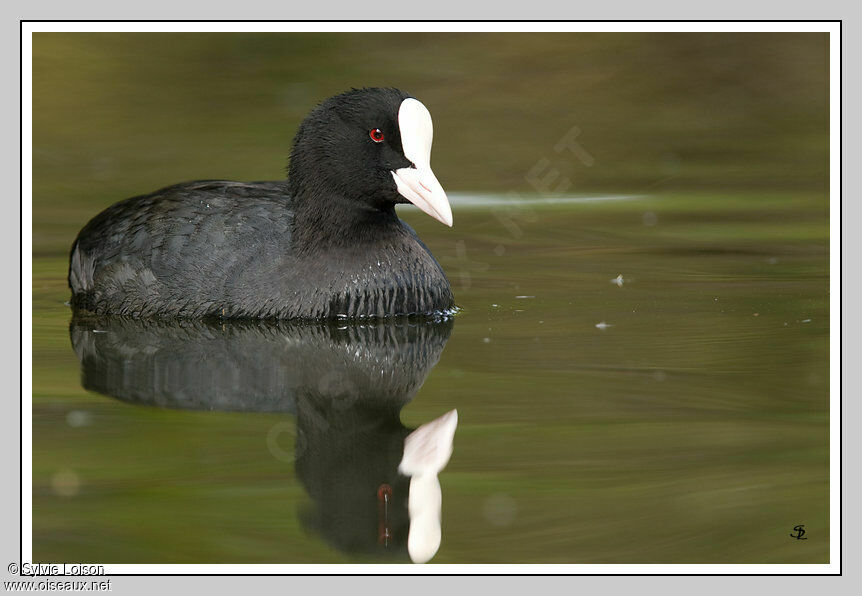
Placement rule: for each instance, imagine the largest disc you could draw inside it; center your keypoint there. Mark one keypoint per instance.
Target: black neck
(324, 222)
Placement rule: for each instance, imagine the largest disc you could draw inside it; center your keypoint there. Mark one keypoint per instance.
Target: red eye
(376, 135)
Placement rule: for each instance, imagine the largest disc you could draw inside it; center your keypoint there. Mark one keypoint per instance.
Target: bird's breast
(398, 281)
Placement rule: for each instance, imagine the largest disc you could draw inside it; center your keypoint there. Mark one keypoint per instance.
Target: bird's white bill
(421, 188)
(419, 185)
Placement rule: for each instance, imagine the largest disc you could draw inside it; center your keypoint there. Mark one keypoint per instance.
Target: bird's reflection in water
(372, 481)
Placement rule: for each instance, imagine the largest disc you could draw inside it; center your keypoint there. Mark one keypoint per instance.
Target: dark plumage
(325, 243)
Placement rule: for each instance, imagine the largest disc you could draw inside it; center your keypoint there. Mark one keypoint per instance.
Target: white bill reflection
(426, 453)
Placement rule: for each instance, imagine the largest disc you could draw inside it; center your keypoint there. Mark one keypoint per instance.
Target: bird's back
(177, 251)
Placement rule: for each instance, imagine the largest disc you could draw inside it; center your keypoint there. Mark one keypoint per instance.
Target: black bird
(324, 243)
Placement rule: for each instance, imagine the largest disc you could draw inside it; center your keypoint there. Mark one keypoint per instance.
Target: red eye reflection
(376, 135)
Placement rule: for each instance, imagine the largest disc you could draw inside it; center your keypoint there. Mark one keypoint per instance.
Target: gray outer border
(440, 9)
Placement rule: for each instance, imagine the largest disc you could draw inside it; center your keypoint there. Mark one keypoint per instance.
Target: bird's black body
(325, 243)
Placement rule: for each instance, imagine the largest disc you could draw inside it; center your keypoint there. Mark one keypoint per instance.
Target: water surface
(675, 414)
(640, 255)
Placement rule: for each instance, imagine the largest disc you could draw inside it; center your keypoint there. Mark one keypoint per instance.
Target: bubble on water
(78, 418)
(66, 483)
(602, 325)
(500, 509)
(274, 441)
(487, 340)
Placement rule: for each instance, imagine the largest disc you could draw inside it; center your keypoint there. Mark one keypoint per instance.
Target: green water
(679, 415)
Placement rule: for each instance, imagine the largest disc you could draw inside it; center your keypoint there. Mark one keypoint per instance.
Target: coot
(324, 243)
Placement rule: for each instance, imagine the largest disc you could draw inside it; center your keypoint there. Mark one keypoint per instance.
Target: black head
(371, 147)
